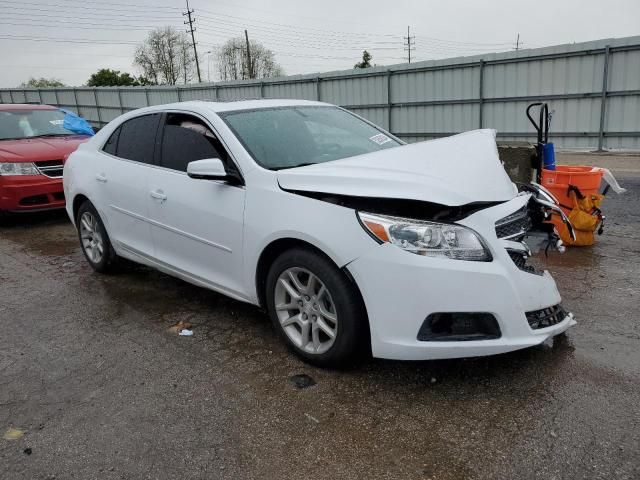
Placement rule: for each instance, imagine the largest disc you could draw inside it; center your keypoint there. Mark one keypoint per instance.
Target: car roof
(25, 106)
(219, 107)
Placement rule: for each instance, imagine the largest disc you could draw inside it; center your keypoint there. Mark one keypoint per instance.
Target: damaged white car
(351, 240)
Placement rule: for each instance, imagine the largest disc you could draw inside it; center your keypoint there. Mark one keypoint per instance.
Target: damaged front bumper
(402, 291)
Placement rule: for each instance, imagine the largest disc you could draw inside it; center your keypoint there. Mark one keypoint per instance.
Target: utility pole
(191, 21)
(249, 64)
(518, 42)
(410, 43)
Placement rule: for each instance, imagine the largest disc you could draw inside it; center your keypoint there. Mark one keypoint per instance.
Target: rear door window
(135, 139)
(186, 139)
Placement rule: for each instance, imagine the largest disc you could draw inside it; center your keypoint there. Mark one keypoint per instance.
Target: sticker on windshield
(56, 122)
(380, 139)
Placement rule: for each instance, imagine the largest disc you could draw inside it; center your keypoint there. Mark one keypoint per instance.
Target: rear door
(127, 160)
(197, 225)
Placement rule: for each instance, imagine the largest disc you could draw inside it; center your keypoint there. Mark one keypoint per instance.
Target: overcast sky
(306, 36)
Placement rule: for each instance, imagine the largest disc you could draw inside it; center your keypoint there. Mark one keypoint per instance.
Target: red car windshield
(18, 124)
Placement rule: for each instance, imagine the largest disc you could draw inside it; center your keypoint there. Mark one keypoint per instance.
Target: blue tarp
(76, 124)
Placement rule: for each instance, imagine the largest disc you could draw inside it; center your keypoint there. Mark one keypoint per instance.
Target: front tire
(316, 309)
(94, 239)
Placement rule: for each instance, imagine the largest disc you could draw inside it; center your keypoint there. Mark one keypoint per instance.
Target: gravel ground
(100, 388)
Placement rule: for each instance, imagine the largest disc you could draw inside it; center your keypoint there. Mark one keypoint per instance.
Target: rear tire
(316, 309)
(94, 239)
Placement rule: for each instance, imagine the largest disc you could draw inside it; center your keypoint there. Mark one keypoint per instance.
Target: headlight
(431, 239)
(7, 169)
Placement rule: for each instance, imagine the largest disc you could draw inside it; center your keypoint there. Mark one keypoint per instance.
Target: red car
(33, 147)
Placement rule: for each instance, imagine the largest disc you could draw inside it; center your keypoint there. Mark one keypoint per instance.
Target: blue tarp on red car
(76, 124)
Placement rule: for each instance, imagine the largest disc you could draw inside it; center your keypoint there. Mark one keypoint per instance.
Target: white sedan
(351, 240)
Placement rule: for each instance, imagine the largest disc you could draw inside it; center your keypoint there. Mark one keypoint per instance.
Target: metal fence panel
(299, 90)
(32, 96)
(353, 91)
(449, 84)
(133, 98)
(438, 119)
(49, 97)
(624, 72)
(238, 92)
(593, 89)
(160, 96)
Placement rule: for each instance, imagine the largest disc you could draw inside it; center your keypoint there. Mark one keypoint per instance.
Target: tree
(106, 77)
(233, 63)
(366, 61)
(42, 82)
(166, 57)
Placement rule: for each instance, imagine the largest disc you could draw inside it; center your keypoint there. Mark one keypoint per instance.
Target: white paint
(211, 233)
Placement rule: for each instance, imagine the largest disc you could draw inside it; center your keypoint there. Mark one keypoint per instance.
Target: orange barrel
(557, 181)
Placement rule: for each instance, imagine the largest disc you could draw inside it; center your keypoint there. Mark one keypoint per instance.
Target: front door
(197, 225)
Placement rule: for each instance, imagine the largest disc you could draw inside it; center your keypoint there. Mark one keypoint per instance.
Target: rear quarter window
(111, 147)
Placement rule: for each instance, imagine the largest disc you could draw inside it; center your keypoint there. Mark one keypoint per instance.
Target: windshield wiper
(53, 135)
(285, 167)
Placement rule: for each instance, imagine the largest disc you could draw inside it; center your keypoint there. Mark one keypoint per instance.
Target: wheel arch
(78, 200)
(280, 245)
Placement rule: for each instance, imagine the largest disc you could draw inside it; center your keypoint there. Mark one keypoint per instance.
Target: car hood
(451, 171)
(35, 149)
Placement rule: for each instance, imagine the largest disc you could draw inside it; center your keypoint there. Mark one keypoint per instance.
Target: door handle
(101, 178)
(158, 195)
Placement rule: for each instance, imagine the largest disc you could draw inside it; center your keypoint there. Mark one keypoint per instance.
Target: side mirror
(207, 169)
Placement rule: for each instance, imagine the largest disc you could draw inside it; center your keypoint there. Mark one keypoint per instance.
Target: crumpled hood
(36, 149)
(451, 171)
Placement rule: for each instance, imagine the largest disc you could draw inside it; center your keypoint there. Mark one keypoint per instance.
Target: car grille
(515, 226)
(50, 168)
(521, 261)
(546, 317)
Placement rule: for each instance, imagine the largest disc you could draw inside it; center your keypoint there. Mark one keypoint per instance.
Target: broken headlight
(431, 239)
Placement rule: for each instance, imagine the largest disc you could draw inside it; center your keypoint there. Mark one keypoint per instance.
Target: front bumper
(400, 289)
(30, 193)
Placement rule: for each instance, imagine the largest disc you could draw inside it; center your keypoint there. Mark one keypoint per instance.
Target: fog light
(459, 327)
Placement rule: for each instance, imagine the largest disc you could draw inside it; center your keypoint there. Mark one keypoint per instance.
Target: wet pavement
(102, 389)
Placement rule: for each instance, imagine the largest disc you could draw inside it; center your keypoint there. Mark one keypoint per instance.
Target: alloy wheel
(306, 310)
(92, 241)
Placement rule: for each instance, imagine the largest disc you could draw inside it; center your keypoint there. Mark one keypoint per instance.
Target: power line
(64, 40)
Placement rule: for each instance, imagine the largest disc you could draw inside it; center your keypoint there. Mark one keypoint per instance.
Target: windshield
(288, 137)
(16, 124)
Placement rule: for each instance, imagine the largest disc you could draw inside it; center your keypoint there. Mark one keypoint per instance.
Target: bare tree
(233, 63)
(166, 57)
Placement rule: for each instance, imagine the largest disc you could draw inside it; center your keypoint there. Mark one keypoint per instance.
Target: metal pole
(55, 94)
(481, 94)
(318, 89)
(261, 89)
(146, 96)
(75, 99)
(603, 101)
(389, 100)
(120, 101)
(179, 95)
(95, 98)
(11, 96)
(40, 96)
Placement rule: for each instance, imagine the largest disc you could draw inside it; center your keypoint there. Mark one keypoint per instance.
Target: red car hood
(35, 149)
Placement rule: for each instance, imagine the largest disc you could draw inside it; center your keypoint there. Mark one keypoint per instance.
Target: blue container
(548, 156)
